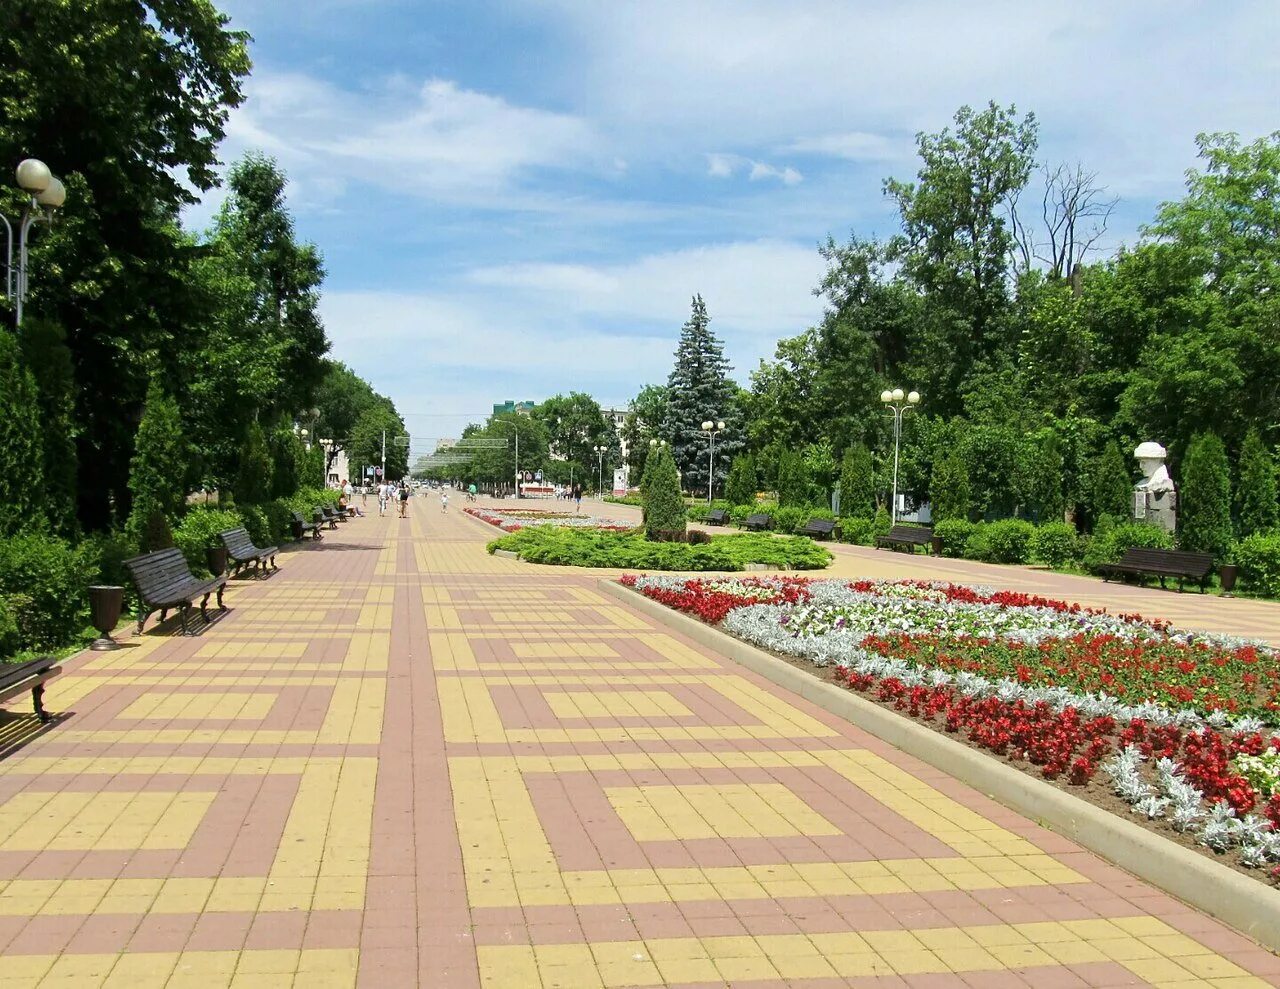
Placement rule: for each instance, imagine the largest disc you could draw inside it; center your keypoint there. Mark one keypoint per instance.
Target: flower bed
(1178, 725)
(579, 547)
(514, 519)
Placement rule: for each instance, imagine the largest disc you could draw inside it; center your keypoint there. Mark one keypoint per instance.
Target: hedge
(1258, 557)
(44, 580)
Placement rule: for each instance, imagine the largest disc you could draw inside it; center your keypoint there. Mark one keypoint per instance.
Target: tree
(949, 496)
(158, 469)
(664, 509)
(820, 468)
(699, 390)
(1039, 476)
(47, 356)
(20, 450)
(128, 101)
(341, 397)
(377, 421)
(1256, 492)
(1112, 488)
(575, 424)
(781, 404)
(793, 480)
(857, 483)
(740, 488)
(254, 471)
(1204, 497)
(1074, 210)
(288, 462)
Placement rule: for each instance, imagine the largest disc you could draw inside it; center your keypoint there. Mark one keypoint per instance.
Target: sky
(516, 198)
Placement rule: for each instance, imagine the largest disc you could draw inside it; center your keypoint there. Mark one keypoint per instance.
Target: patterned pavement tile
(400, 762)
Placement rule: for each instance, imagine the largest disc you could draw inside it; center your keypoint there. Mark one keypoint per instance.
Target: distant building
(524, 408)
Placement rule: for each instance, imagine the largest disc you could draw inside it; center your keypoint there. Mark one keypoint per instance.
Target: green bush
(1110, 540)
(278, 520)
(790, 517)
(859, 531)
(53, 575)
(955, 535)
(949, 492)
(857, 483)
(1204, 497)
(1055, 544)
(663, 505)
(1256, 492)
(199, 530)
(10, 638)
(740, 487)
(1006, 541)
(635, 500)
(881, 524)
(699, 512)
(254, 519)
(1258, 557)
(593, 548)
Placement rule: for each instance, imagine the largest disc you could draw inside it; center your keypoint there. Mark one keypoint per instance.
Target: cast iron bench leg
(37, 700)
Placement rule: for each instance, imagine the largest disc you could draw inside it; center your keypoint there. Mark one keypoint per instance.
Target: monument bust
(1155, 498)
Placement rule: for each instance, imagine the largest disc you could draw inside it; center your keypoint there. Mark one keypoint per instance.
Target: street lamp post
(899, 404)
(600, 452)
(47, 194)
(711, 430)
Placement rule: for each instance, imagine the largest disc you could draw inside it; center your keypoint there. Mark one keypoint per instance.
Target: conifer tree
(950, 496)
(158, 470)
(20, 451)
(857, 483)
(1112, 492)
(47, 356)
(699, 390)
(1204, 497)
(253, 474)
(740, 488)
(793, 480)
(664, 509)
(1256, 494)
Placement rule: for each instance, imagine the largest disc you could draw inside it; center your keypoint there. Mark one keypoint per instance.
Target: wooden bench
(332, 516)
(242, 552)
(907, 537)
(717, 516)
(320, 517)
(21, 677)
(818, 529)
(163, 581)
(1141, 562)
(301, 527)
(757, 523)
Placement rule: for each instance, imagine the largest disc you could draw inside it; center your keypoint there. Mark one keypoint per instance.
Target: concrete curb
(1245, 904)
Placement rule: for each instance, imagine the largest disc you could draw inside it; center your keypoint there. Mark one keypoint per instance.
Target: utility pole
(384, 456)
(516, 426)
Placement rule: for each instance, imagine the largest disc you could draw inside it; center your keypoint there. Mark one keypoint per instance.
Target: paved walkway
(402, 762)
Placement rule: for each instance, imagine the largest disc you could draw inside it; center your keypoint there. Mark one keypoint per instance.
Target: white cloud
(852, 146)
(723, 166)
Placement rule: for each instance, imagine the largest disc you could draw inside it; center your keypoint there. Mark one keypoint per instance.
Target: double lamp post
(899, 404)
(46, 194)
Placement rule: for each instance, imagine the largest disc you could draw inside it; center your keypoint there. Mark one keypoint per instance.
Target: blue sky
(517, 198)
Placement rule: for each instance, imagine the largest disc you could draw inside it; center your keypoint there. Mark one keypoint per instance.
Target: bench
(907, 537)
(332, 516)
(163, 581)
(818, 528)
(242, 552)
(320, 517)
(757, 523)
(717, 516)
(301, 527)
(1162, 563)
(21, 677)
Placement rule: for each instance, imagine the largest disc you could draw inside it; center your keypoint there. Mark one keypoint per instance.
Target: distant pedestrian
(444, 501)
(404, 500)
(384, 493)
(577, 497)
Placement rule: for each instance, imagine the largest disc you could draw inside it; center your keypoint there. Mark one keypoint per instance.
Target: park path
(402, 762)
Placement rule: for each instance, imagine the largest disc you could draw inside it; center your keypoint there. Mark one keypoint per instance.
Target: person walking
(383, 494)
(404, 500)
(444, 501)
(577, 498)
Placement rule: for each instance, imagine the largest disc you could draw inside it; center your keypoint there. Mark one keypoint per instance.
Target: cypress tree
(48, 358)
(664, 509)
(1204, 497)
(857, 483)
(21, 456)
(699, 390)
(950, 496)
(740, 489)
(1256, 493)
(1112, 488)
(253, 475)
(158, 470)
(793, 479)
(288, 462)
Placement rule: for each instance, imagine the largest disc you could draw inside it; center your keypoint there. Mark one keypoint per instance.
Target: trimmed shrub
(1110, 541)
(51, 576)
(949, 494)
(882, 524)
(790, 517)
(859, 531)
(594, 548)
(158, 470)
(857, 484)
(1258, 557)
(663, 506)
(254, 520)
(1006, 541)
(1204, 498)
(740, 488)
(278, 520)
(199, 530)
(1256, 492)
(793, 479)
(1055, 544)
(955, 535)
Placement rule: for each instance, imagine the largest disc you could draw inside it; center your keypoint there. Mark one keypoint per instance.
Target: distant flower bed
(514, 519)
(1181, 723)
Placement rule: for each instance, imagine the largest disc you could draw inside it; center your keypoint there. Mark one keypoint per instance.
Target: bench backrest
(156, 574)
(820, 525)
(237, 541)
(717, 515)
(297, 517)
(1192, 563)
(911, 532)
(762, 519)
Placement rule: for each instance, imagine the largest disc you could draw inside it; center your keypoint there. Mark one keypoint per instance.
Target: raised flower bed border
(1244, 903)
